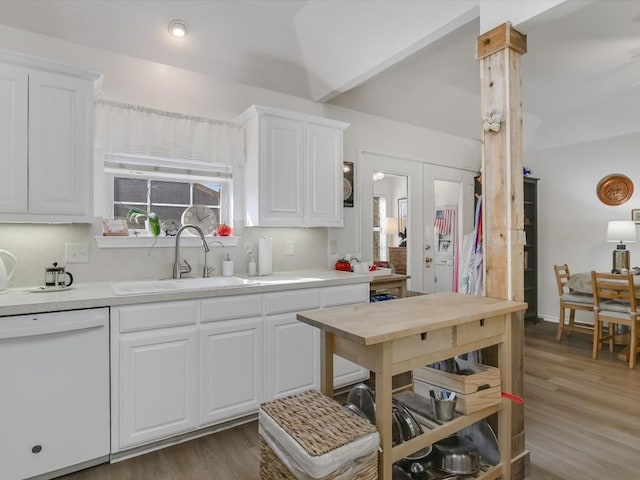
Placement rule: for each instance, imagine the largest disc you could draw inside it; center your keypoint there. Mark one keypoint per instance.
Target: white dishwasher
(54, 392)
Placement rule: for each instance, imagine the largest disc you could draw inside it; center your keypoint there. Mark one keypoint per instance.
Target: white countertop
(18, 301)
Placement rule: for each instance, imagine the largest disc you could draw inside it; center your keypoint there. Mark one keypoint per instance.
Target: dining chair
(572, 302)
(615, 303)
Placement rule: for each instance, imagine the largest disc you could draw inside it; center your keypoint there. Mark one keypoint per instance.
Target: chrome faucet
(178, 269)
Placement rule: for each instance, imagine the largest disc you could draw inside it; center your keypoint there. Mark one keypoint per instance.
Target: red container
(343, 265)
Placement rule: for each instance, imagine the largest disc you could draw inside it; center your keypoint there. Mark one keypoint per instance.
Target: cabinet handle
(36, 449)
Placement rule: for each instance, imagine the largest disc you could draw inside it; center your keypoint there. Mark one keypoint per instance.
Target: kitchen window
(165, 187)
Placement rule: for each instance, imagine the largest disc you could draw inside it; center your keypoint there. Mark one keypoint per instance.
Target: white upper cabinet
(293, 175)
(14, 83)
(46, 142)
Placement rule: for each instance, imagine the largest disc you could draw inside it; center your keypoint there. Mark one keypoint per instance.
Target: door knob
(427, 261)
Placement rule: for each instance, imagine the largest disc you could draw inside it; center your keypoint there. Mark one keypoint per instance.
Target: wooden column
(499, 52)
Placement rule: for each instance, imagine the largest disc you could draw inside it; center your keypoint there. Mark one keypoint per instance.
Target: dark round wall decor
(614, 189)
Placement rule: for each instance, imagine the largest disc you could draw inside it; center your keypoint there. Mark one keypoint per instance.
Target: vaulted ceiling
(399, 59)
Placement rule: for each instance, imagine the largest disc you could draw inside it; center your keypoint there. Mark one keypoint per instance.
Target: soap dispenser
(253, 267)
(227, 267)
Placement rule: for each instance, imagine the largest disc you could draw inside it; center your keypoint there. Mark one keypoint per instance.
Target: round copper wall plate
(615, 189)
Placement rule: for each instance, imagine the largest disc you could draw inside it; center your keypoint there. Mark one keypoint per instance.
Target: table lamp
(390, 226)
(621, 232)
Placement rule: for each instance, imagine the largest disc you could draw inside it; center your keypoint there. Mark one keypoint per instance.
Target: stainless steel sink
(173, 285)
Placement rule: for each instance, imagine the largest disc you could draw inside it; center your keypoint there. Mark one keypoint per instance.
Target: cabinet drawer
(480, 329)
(414, 346)
(345, 295)
(294, 301)
(156, 315)
(240, 306)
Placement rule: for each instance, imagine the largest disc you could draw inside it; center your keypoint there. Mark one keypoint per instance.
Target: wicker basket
(319, 425)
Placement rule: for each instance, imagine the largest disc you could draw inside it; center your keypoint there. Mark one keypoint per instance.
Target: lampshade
(623, 231)
(390, 226)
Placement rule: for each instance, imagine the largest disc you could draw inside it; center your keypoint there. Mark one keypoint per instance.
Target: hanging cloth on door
(471, 280)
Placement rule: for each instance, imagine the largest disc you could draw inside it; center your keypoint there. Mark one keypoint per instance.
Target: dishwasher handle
(48, 323)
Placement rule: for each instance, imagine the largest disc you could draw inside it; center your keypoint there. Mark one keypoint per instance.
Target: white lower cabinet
(183, 365)
(231, 369)
(344, 371)
(293, 356)
(158, 393)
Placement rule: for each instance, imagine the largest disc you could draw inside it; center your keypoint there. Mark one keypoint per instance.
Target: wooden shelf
(447, 429)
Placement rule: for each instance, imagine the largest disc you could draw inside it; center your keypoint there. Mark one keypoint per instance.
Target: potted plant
(151, 221)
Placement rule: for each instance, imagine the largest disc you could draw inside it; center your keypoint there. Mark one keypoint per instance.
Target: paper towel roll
(264, 256)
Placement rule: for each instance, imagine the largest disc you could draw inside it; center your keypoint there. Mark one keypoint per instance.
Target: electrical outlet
(248, 249)
(290, 248)
(333, 247)
(76, 253)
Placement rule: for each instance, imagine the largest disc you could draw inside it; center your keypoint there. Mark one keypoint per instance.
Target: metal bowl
(457, 455)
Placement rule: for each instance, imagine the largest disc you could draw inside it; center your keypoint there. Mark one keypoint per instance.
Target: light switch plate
(290, 248)
(76, 253)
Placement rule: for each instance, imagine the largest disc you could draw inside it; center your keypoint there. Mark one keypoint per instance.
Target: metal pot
(457, 455)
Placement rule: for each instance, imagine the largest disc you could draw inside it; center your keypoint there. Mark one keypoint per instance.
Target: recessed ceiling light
(178, 28)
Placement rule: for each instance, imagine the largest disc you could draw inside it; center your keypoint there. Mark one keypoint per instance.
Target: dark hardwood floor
(582, 423)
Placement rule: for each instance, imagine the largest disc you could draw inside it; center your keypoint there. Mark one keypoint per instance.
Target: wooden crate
(475, 392)
(465, 404)
(484, 377)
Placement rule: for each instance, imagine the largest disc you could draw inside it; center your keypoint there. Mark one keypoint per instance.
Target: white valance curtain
(137, 130)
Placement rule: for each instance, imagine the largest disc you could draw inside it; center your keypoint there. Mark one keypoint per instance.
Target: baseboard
(185, 437)
(549, 318)
(72, 468)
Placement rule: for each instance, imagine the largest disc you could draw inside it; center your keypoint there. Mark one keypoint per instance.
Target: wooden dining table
(582, 283)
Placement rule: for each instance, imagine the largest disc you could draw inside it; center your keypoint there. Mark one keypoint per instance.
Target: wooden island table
(395, 337)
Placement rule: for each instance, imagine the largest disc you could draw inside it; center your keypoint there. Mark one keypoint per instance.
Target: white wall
(402, 140)
(132, 80)
(141, 82)
(572, 220)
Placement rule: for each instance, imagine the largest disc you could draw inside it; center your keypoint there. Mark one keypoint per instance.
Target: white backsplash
(38, 246)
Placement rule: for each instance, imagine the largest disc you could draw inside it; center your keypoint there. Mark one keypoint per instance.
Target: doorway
(448, 198)
(429, 188)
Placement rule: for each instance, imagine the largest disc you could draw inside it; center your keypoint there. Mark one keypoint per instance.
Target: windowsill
(163, 242)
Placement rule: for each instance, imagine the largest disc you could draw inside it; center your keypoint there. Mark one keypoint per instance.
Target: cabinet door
(344, 371)
(293, 356)
(281, 171)
(60, 156)
(14, 83)
(324, 191)
(231, 369)
(157, 384)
